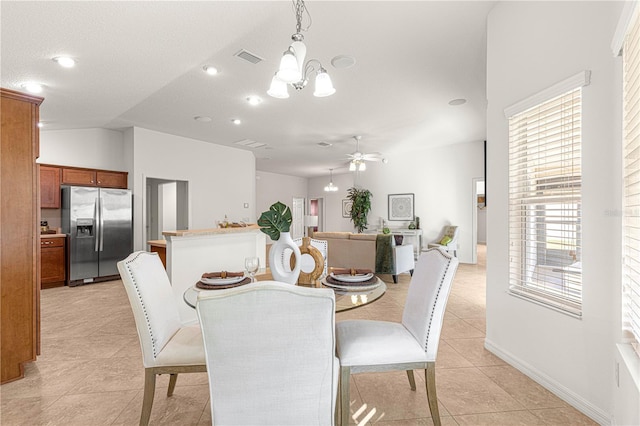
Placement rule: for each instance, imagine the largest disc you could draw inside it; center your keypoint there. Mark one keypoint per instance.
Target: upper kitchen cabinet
(49, 187)
(92, 177)
(19, 233)
(111, 179)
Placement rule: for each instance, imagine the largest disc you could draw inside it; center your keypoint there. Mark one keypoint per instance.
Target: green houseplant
(275, 220)
(361, 205)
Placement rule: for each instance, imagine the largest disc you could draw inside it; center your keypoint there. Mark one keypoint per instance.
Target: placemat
(204, 286)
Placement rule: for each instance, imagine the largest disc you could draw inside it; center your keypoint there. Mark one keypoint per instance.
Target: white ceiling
(140, 64)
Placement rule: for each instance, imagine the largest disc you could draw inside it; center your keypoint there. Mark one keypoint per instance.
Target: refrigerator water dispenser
(84, 228)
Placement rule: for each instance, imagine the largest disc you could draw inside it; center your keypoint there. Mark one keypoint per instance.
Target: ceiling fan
(358, 158)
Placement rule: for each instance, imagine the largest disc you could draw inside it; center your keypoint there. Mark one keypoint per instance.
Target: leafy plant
(275, 220)
(361, 205)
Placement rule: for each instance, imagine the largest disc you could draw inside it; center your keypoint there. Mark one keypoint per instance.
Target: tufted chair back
(427, 298)
(152, 302)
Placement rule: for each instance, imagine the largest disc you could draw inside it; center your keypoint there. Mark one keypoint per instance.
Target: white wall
(441, 179)
(531, 46)
(221, 179)
(90, 148)
(272, 187)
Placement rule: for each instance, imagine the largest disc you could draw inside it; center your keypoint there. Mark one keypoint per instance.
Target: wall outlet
(246, 205)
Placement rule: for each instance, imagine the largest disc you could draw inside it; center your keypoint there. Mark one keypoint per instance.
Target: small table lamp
(310, 222)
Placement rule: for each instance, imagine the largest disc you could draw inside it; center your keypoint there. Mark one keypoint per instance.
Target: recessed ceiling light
(236, 121)
(65, 61)
(40, 124)
(32, 87)
(456, 102)
(343, 61)
(210, 70)
(254, 100)
(202, 118)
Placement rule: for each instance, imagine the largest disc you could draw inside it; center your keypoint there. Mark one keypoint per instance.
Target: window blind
(631, 196)
(545, 203)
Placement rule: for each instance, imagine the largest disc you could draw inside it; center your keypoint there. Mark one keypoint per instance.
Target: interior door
(297, 213)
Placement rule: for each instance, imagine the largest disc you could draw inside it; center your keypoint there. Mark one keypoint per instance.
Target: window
(631, 195)
(545, 230)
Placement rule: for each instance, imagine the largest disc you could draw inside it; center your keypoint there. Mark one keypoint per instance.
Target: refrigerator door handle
(101, 224)
(96, 218)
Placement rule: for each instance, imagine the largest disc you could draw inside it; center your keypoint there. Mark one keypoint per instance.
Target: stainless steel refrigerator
(99, 223)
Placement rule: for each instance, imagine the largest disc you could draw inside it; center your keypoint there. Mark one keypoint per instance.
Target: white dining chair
(377, 346)
(270, 353)
(167, 346)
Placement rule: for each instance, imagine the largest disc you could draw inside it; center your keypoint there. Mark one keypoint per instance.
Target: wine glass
(252, 264)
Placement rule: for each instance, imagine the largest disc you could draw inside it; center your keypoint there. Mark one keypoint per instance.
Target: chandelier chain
(299, 9)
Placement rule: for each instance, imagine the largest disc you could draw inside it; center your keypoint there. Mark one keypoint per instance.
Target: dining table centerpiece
(276, 223)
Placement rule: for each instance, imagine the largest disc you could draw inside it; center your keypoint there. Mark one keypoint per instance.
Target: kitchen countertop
(230, 230)
(53, 235)
(157, 243)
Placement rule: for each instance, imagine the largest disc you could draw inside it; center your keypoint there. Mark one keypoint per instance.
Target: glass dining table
(345, 299)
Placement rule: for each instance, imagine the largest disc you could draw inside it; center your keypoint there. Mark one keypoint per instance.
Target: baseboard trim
(567, 395)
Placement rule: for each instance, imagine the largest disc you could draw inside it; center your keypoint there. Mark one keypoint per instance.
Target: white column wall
(531, 46)
(221, 179)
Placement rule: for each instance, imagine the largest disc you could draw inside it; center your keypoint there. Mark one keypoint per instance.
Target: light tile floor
(90, 371)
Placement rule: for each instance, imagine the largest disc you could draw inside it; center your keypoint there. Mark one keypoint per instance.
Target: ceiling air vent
(248, 56)
(325, 144)
(250, 144)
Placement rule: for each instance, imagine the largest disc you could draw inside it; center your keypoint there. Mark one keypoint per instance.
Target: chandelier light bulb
(331, 187)
(278, 88)
(324, 87)
(289, 72)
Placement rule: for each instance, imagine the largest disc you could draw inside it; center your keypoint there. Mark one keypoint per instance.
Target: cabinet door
(79, 177)
(112, 179)
(52, 261)
(49, 187)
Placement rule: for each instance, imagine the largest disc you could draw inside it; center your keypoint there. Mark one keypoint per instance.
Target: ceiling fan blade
(372, 157)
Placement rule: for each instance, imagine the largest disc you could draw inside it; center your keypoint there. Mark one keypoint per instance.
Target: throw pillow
(445, 240)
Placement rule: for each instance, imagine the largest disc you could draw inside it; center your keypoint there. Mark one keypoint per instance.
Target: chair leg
(412, 380)
(411, 272)
(395, 279)
(172, 383)
(345, 409)
(147, 399)
(430, 379)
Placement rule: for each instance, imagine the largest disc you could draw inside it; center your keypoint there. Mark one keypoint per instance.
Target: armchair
(448, 240)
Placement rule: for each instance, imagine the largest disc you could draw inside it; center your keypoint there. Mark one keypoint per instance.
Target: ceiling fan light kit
(294, 71)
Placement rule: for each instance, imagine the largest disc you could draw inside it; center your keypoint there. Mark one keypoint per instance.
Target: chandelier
(293, 70)
(331, 187)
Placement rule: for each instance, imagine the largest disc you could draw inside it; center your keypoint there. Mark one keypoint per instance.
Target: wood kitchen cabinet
(19, 233)
(52, 262)
(92, 177)
(49, 187)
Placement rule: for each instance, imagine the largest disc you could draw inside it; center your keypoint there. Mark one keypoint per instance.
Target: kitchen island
(190, 253)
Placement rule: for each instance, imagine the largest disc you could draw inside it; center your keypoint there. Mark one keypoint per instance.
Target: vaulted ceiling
(141, 64)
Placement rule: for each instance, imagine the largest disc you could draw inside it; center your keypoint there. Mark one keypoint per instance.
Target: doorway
(316, 208)
(167, 207)
(479, 215)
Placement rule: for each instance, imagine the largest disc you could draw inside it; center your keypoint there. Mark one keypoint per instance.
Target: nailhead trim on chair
(437, 294)
(144, 309)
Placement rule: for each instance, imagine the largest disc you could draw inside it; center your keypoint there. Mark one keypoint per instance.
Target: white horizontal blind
(631, 224)
(545, 203)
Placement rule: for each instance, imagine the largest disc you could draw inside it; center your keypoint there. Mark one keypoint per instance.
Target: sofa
(349, 250)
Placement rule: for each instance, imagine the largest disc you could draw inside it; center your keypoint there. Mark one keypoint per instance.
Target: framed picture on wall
(346, 208)
(401, 207)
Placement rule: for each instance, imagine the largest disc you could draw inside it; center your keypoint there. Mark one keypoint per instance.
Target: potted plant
(360, 207)
(276, 223)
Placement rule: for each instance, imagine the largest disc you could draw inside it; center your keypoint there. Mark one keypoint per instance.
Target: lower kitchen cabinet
(53, 270)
